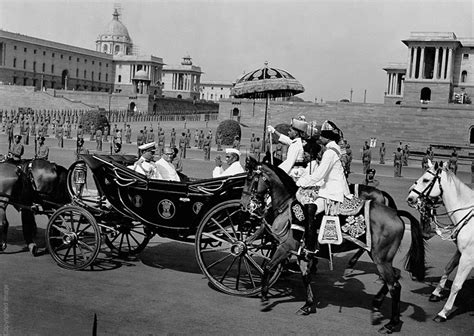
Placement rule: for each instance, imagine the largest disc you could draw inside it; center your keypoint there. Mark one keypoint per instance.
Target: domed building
(182, 81)
(115, 39)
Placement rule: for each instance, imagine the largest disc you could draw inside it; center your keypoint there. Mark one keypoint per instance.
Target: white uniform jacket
(167, 170)
(294, 154)
(329, 171)
(145, 167)
(233, 169)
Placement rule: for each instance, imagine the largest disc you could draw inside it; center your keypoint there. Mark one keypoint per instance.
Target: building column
(410, 49)
(436, 67)
(413, 62)
(394, 79)
(389, 77)
(421, 70)
(443, 64)
(450, 64)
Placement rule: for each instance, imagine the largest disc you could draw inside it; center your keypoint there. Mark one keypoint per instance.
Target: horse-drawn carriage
(126, 209)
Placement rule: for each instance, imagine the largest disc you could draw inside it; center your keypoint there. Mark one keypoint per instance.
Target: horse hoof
(390, 328)
(33, 249)
(306, 310)
(434, 298)
(439, 319)
(376, 317)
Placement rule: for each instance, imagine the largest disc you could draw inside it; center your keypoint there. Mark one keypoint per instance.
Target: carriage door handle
(127, 181)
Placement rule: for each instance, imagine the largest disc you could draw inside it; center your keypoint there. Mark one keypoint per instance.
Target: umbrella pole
(265, 126)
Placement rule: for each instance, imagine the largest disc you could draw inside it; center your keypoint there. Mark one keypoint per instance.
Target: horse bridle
(424, 195)
(257, 199)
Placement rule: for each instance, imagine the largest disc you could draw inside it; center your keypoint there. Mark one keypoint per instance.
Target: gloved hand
(271, 129)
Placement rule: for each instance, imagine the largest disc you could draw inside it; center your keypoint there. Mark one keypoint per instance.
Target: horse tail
(415, 258)
(389, 199)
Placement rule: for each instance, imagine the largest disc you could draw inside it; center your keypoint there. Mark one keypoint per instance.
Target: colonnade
(441, 66)
(395, 83)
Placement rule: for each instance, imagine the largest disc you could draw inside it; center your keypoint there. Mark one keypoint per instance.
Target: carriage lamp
(80, 177)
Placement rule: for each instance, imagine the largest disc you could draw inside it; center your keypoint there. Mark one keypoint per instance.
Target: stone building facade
(215, 90)
(182, 80)
(439, 70)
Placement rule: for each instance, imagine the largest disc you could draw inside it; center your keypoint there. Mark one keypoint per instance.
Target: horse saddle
(351, 207)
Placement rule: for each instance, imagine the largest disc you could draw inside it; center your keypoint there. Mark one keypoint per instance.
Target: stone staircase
(13, 97)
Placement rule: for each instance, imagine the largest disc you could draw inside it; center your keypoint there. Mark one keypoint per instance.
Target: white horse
(458, 200)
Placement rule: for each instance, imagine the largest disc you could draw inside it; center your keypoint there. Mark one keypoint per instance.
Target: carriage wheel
(128, 238)
(233, 259)
(73, 237)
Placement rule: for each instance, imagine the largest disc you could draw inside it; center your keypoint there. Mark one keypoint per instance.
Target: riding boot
(311, 235)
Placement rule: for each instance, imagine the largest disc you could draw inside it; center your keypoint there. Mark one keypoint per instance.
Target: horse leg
(391, 285)
(355, 258)
(28, 224)
(436, 295)
(4, 229)
(466, 263)
(309, 307)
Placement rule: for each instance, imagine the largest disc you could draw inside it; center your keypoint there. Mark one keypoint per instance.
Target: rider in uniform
(334, 184)
(16, 150)
(144, 165)
(43, 150)
(294, 163)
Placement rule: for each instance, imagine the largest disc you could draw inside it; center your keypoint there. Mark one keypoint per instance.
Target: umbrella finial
(266, 64)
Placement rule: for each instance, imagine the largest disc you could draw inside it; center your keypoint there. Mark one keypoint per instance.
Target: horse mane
(287, 181)
(459, 185)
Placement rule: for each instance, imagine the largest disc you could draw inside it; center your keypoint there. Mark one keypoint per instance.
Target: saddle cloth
(356, 227)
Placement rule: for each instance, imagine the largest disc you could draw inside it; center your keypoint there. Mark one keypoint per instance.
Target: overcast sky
(329, 46)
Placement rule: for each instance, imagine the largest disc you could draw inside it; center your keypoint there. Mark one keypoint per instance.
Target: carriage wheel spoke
(121, 243)
(74, 254)
(138, 232)
(254, 264)
(216, 249)
(84, 245)
(232, 239)
(228, 269)
(219, 261)
(210, 235)
(84, 229)
(229, 216)
(67, 252)
(60, 229)
(60, 246)
(128, 243)
(135, 240)
(239, 267)
(247, 267)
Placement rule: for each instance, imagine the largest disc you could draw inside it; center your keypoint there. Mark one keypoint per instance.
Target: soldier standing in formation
(60, 136)
(252, 140)
(92, 136)
(161, 143)
(201, 140)
(98, 139)
(453, 161)
(366, 158)
(196, 138)
(207, 148)
(173, 138)
(10, 128)
(188, 139)
(406, 154)
(382, 153)
(128, 134)
(183, 140)
(26, 130)
(397, 162)
(219, 141)
(150, 137)
(106, 134)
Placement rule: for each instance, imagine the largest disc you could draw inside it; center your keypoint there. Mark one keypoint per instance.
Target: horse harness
(429, 204)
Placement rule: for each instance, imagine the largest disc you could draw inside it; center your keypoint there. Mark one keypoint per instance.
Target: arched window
(105, 48)
(119, 78)
(117, 49)
(14, 62)
(425, 94)
(464, 76)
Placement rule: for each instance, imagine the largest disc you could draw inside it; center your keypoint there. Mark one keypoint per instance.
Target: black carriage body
(167, 207)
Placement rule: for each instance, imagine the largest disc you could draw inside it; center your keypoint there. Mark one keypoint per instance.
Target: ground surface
(162, 291)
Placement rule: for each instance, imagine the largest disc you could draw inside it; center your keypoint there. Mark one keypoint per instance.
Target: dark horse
(385, 225)
(36, 186)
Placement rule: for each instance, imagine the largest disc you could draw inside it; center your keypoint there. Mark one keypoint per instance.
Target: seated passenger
(165, 166)
(144, 165)
(232, 156)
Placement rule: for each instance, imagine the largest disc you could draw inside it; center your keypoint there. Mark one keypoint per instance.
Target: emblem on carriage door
(166, 209)
(137, 201)
(197, 207)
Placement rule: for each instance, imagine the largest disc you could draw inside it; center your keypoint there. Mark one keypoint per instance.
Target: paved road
(163, 291)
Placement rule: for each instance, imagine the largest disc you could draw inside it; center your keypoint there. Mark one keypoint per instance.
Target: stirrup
(310, 254)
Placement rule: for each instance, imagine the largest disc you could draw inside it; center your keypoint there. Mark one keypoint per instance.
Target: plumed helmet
(330, 131)
(313, 130)
(299, 124)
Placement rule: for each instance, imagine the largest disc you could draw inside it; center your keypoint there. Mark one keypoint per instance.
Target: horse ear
(430, 164)
(436, 165)
(444, 165)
